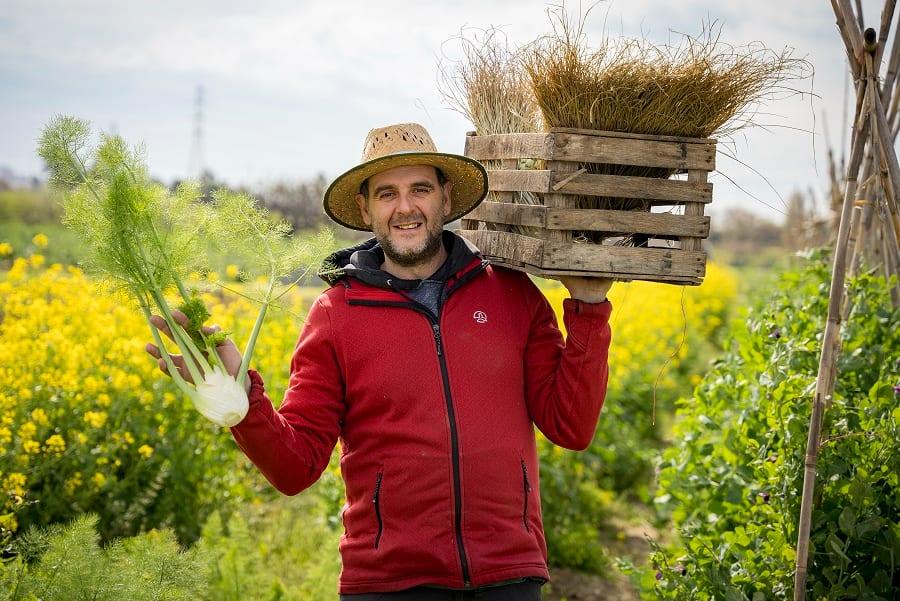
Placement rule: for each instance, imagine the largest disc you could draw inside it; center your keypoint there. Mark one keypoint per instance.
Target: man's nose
(405, 202)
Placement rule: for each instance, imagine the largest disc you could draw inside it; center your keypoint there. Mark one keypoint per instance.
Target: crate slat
(523, 249)
(511, 214)
(623, 259)
(626, 186)
(630, 136)
(514, 180)
(545, 258)
(620, 277)
(630, 222)
(625, 151)
(595, 220)
(509, 146)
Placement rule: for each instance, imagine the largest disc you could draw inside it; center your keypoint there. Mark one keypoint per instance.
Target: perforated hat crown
(402, 145)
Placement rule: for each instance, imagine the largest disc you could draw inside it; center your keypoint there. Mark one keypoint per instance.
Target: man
(431, 367)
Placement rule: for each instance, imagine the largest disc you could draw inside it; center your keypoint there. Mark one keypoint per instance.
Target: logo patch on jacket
(480, 316)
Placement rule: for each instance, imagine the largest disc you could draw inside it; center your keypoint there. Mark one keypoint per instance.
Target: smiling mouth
(407, 226)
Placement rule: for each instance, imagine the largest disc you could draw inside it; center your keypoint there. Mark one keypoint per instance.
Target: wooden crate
(669, 250)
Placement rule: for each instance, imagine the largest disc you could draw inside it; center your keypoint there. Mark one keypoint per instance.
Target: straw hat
(398, 146)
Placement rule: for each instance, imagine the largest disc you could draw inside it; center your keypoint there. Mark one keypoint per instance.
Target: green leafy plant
(731, 484)
(145, 240)
(66, 563)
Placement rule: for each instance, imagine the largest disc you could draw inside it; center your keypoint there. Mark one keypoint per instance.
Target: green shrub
(68, 564)
(285, 550)
(732, 483)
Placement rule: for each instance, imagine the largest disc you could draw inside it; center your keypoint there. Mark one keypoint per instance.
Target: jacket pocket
(527, 493)
(376, 502)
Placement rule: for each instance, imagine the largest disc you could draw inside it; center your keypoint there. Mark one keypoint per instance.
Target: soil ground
(626, 540)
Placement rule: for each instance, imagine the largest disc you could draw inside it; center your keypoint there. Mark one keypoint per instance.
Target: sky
(292, 87)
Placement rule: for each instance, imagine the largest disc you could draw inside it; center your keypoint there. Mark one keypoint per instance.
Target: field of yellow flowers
(88, 423)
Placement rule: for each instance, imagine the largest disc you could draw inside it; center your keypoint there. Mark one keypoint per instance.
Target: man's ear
(363, 209)
(448, 205)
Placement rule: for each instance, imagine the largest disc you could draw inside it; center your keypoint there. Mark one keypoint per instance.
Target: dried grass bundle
(699, 87)
(489, 87)
(696, 88)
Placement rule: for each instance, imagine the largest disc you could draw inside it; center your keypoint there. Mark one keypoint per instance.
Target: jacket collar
(363, 263)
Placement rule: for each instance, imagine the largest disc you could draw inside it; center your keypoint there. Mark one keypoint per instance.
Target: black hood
(363, 262)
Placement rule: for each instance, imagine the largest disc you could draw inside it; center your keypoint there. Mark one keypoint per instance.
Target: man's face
(406, 209)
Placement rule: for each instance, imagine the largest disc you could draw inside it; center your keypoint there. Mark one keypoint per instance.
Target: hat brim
(470, 184)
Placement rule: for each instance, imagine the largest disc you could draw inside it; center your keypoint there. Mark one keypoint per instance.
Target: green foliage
(282, 550)
(68, 564)
(195, 310)
(136, 234)
(574, 507)
(28, 206)
(732, 483)
(261, 243)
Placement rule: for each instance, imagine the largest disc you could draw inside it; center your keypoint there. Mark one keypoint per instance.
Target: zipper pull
(437, 338)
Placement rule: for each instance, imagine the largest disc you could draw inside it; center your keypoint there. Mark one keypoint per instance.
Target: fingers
(160, 324)
(211, 329)
(183, 321)
(153, 350)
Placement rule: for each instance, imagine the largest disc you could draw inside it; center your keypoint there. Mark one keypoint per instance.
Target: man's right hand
(227, 351)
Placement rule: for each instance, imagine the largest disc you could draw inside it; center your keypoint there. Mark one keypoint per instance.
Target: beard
(412, 256)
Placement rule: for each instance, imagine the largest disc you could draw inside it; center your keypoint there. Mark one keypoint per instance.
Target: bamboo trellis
(868, 218)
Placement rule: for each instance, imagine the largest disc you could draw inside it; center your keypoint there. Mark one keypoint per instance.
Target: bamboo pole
(828, 357)
(841, 18)
(894, 60)
(887, 15)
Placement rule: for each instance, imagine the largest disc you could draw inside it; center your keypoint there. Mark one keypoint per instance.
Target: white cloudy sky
(292, 87)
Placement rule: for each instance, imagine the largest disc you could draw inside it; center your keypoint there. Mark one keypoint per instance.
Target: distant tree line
(298, 201)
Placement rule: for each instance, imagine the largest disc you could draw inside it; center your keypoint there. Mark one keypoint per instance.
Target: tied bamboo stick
(830, 338)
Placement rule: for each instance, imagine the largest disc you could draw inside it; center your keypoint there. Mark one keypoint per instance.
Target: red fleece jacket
(435, 421)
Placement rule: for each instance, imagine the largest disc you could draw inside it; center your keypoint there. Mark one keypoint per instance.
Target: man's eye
(385, 195)
(421, 190)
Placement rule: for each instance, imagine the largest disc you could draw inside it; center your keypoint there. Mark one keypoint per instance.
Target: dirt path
(626, 540)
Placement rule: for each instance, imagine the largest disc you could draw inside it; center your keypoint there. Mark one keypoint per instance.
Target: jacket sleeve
(292, 446)
(565, 384)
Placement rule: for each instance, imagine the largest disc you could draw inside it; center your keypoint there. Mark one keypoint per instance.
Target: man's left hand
(588, 290)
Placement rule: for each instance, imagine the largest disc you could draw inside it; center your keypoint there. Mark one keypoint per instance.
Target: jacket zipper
(454, 441)
(454, 446)
(377, 507)
(527, 491)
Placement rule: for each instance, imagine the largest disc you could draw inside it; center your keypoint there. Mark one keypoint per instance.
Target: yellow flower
(6, 249)
(8, 522)
(40, 240)
(146, 451)
(129, 439)
(55, 444)
(232, 271)
(5, 435)
(37, 260)
(212, 276)
(39, 416)
(103, 400)
(15, 484)
(25, 394)
(27, 430)
(31, 447)
(98, 479)
(72, 484)
(96, 419)
(18, 270)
